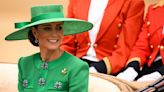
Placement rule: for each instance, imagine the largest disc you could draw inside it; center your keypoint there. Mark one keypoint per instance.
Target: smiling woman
(51, 33)
(16, 10)
(10, 12)
(47, 36)
(51, 69)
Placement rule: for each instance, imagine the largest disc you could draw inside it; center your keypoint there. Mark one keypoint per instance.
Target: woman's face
(49, 35)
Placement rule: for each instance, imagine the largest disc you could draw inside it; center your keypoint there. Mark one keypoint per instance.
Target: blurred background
(12, 11)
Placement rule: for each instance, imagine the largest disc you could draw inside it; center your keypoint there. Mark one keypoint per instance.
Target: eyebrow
(45, 25)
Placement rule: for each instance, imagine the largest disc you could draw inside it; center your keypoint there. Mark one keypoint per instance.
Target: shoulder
(155, 13)
(74, 1)
(74, 61)
(138, 3)
(76, 66)
(133, 1)
(27, 59)
(150, 8)
(134, 6)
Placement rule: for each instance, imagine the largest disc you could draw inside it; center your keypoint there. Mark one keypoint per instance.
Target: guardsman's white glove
(129, 74)
(150, 77)
(93, 70)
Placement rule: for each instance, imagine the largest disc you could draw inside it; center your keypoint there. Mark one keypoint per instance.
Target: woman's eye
(59, 27)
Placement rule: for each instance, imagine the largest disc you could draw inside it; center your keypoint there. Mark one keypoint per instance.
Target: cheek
(61, 37)
(41, 38)
(61, 34)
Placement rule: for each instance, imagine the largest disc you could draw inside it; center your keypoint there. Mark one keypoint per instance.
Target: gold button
(151, 46)
(115, 46)
(148, 23)
(148, 34)
(95, 45)
(150, 57)
(161, 47)
(75, 41)
(117, 35)
(119, 25)
(89, 44)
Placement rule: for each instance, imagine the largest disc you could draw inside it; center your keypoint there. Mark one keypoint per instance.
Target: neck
(49, 55)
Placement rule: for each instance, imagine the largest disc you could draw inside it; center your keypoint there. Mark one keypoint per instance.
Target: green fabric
(19, 25)
(48, 14)
(74, 80)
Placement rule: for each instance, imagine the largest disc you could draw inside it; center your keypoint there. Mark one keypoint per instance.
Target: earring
(36, 41)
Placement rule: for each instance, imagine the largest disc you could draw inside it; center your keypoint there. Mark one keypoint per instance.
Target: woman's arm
(20, 88)
(78, 81)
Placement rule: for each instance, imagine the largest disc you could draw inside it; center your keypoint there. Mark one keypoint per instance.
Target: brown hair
(32, 38)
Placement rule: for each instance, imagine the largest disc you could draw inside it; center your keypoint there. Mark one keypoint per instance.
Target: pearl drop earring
(36, 41)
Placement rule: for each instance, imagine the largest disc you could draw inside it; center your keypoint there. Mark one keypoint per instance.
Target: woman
(148, 54)
(52, 69)
(106, 47)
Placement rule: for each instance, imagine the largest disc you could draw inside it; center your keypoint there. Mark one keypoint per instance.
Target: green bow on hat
(47, 14)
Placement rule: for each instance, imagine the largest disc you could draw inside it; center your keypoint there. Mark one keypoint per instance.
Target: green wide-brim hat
(48, 14)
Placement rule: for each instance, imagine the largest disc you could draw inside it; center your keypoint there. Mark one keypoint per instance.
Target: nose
(53, 32)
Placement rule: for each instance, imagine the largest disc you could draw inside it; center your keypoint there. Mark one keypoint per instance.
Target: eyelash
(59, 27)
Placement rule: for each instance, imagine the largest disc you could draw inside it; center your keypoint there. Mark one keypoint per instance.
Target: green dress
(65, 74)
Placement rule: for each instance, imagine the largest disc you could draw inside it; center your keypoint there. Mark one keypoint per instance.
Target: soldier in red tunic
(146, 61)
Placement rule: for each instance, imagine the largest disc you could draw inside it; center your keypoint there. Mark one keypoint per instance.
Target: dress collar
(51, 64)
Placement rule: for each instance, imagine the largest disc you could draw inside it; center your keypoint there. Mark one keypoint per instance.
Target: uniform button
(117, 35)
(115, 46)
(151, 46)
(41, 82)
(158, 46)
(148, 34)
(119, 25)
(161, 47)
(75, 41)
(95, 45)
(148, 23)
(89, 44)
(150, 57)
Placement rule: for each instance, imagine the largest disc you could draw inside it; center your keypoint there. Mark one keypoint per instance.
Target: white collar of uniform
(96, 9)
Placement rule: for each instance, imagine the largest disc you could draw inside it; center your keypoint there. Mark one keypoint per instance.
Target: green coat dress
(65, 74)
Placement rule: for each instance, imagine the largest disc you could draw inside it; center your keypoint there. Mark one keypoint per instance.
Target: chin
(53, 47)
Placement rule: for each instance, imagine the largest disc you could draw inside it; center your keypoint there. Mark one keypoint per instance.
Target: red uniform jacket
(151, 40)
(118, 31)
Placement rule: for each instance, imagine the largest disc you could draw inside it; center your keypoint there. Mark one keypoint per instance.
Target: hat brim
(71, 26)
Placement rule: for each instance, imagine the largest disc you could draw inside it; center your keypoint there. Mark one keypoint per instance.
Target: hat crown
(45, 10)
